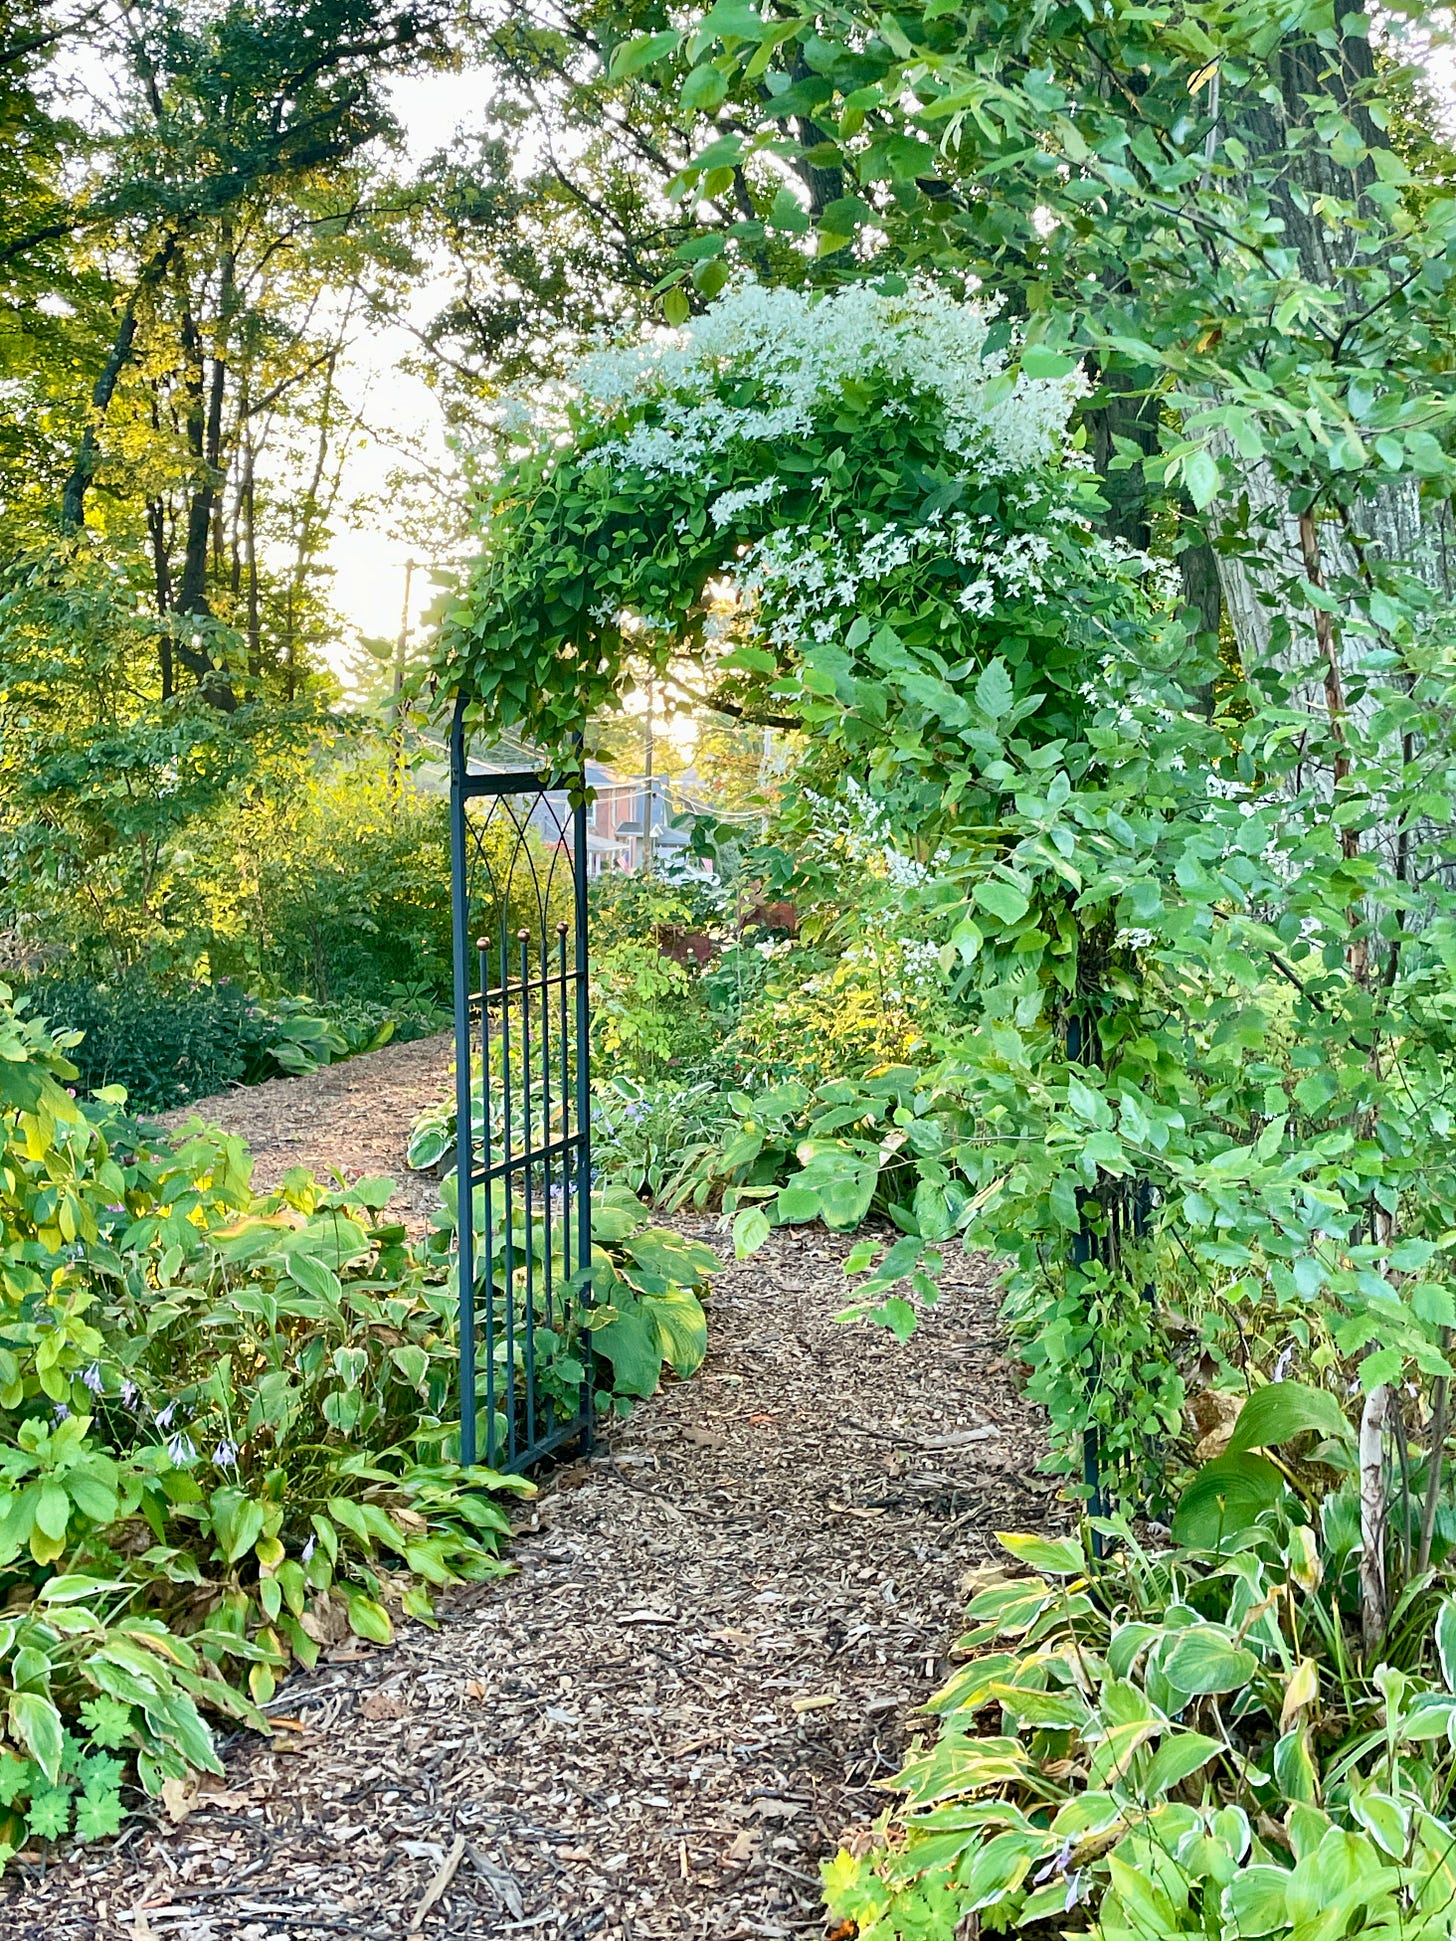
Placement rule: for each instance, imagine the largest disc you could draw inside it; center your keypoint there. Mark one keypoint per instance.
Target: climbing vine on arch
(867, 515)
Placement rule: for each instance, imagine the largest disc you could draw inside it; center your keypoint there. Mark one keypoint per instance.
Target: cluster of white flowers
(799, 349)
(855, 822)
(805, 582)
(901, 970)
(921, 962)
(728, 504)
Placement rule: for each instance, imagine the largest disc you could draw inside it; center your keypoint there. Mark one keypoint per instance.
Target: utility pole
(647, 803)
(396, 749)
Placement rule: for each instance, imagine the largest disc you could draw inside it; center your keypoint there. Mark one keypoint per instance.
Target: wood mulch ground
(355, 1116)
(712, 1648)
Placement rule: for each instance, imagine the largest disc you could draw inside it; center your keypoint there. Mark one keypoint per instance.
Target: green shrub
(648, 1013)
(169, 1044)
(650, 1138)
(1174, 1744)
(647, 1282)
(645, 1311)
(226, 1437)
(165, 1046)
(1190, 1741)
(339, 888)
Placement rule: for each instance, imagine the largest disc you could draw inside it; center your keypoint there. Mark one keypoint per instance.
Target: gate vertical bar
(528, 1172)
(464, 1140)
(583, 1088)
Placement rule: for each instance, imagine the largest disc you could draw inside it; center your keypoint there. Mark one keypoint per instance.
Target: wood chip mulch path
(355, 1116)
(711, 1649)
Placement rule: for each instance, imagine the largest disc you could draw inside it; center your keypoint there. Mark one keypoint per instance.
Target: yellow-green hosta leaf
(1203, 1659)
(1056, 1556)
(1294, 1769)
(35, 1724)
(1281, 1410)
(1226, 1496)
(1141, 1903)
(1384, 1819)
(1256, 1901)
(1176, 1759)
(367, 1617)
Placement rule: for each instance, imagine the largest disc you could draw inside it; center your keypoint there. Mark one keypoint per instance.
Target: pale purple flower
(164, 1416)
(309, 1548)
(225, 1456)
(1074, 1893)
(1056, 1865)
(1284, 1363)
(61, 1412)
(128, 1393)
(92, 1378)
(180, 1449)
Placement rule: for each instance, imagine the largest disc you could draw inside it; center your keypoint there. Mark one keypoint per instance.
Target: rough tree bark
(1373, 1609)
(206, 392)
(1310, 80)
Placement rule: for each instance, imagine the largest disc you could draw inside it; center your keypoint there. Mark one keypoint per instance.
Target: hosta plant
(649, 1136)
(1175, 1742)
(225, 1439)
(644, 1310)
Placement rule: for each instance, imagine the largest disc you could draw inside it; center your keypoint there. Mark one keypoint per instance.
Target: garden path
(710, 1650)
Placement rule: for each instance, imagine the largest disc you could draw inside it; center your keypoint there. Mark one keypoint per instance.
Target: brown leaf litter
(711, 1649)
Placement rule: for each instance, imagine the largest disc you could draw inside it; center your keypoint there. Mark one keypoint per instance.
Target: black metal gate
(518, 859)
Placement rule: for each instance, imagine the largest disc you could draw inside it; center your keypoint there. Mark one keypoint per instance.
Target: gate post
(583, 1103)
(464, 1128)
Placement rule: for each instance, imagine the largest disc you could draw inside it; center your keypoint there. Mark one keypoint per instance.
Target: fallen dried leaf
(179, 1796)
(983, 1577)
(445, 1873)
(384, 1705)
(326, 1620)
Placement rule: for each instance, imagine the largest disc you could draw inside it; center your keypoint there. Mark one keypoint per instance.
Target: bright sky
(369, 557)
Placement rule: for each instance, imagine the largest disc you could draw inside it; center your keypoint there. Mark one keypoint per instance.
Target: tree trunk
(250, 564)
(1308, 80)
(1373, 1607)
(205, 395)
(73, 497)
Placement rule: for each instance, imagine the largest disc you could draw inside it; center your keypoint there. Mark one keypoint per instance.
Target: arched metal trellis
(518, 855)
